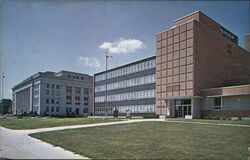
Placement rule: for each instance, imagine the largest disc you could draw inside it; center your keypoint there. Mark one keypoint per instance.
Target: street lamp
(107, 56)
(3, 76)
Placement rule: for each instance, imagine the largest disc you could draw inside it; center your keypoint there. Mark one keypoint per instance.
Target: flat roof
(45, 74)
(187, 15)
(174, 27)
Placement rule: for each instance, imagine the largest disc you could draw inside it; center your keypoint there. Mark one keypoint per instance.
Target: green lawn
(154, 140)
(29, 123)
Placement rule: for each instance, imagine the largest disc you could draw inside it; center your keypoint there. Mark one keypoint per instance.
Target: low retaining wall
(225, 113)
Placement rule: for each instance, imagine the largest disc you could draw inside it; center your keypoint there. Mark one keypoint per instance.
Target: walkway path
(17, 144)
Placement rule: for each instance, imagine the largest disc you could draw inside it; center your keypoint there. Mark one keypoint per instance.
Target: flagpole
(105, 108)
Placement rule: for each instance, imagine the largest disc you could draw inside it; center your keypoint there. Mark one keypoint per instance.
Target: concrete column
(31, 98)
(81, 101)
(73, 106)
(195, 107)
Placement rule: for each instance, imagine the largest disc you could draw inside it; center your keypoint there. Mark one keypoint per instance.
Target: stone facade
(51, 93)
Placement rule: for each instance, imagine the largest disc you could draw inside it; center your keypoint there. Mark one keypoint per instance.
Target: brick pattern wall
(174, 64)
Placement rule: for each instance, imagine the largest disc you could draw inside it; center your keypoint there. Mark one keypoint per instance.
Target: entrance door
(77, 111)
(182, 107)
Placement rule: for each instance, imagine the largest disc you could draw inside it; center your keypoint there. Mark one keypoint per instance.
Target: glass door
(182, 107)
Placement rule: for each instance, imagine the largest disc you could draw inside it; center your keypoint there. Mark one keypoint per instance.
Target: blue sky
(47, 35)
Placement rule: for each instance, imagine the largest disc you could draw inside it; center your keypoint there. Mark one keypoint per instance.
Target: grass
(154, 140)
(29, 123)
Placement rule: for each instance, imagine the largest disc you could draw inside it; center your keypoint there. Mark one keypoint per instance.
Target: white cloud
(123, 46)
(90, 61)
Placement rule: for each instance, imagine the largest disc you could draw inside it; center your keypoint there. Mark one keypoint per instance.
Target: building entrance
(182, 107)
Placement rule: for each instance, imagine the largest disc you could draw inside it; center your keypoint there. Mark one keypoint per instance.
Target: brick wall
(225, 113)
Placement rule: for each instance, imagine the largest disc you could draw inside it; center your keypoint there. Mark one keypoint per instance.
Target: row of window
(52, 93)
(229, 35)
(137, 108)
(127, 83)
(77, 100)
(52, 100)
(127, 96)
(127, 70)
(77, 110)
(52, 86)
(52, 109)
(76, 77)
(69, 90)
(132, 108)
(68, 109)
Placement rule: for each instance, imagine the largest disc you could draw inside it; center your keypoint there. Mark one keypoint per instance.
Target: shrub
(35, 114)
(150, 116)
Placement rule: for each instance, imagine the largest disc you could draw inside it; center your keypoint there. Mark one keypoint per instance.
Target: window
(52, 101)
(68, 95)
(47, 85)
(77, 95)
(47, 100)
(47, 108)
(47, 92)
(217, 103)
(68, 109)
(52, 109)
(85, 110)
(86, 101)
(57, 109)
(57, 87)
(52, 86)
(68, 99)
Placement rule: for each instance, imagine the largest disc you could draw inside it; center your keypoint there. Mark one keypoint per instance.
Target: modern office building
(51, 93)
(201, 70)
(130, 87)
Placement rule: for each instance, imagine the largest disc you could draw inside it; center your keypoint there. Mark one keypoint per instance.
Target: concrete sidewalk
(18, 145)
